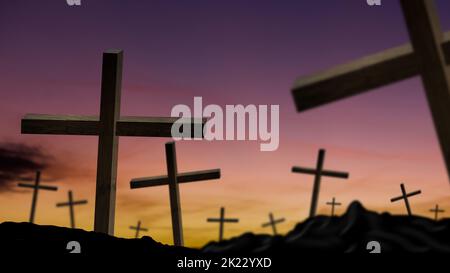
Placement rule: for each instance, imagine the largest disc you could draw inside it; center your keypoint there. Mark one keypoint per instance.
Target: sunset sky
(228, 52)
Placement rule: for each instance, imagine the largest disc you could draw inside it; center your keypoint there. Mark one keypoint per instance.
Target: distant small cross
(172, 179)
(318, 173)
(36, 187)
(138, 228)
(272, 222)
(221, 221)
(332, 204)
(405, 197)
(71, 203)
(436, 211)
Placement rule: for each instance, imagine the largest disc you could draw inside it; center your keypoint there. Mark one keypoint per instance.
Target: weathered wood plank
(426, 37)
(174, 194)
(359, 76)
(60, 125)
(89, 125)
(105, 195)
(182, 178)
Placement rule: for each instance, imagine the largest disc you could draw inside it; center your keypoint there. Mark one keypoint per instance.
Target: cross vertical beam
(71, 210)
(427, 38)
(316, 187)
(272, 222)
(222, 220)
(35, 196)
(405, 197)
(108, 142)
(174, 193)
(138, 227)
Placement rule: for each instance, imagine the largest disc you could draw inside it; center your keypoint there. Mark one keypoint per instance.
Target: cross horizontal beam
(181, 178)
(41, 187)
(336, 174)
(89, 125)
(334, 203)
(229, 220)
(81, 202)
(359, 76)
(281, 220)
(407, 195)
(140, 228)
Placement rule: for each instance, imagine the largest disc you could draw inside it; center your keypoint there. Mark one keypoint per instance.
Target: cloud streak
(18, 161)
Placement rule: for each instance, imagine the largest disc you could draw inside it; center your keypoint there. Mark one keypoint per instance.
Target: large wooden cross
(318, 172)
(405, 196)
(221, 220)
(172, 179)
(71, 203)
(273, 223)
(108, 127)
(36, 187)
(428, 55)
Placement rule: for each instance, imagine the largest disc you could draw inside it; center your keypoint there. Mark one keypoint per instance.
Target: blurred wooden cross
(427, 55)
(71, 203)
(332, 204)
(405, 196)
(272, 222)
(436, 211)
(221, 220)
(36, 187)
(108, 127)
(138, 228)
(318, 173)
(172, 179)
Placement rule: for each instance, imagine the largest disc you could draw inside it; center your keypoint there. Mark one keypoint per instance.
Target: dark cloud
(19, 162)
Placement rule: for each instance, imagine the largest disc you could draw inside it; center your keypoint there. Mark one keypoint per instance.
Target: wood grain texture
(359, 76)
(89, 125)
(426, 37)
(105, 195)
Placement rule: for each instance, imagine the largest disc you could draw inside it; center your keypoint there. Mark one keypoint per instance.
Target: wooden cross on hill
(138, 229)
(436, 211)
(318, 173)
(222, 220)
(333, 203)
(36, 187)
(428, 55)
(108, 127)
(405, 197)
(273, 223)
(71, 203)
(172, 179)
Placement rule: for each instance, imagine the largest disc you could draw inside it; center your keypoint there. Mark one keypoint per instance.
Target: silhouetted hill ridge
(348, 233)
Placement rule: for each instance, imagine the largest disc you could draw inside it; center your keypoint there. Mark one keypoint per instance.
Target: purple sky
(228, 52)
